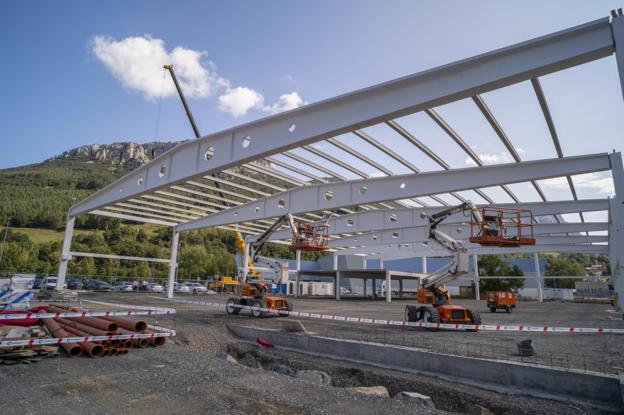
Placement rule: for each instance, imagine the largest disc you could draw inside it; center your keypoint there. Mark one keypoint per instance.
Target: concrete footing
(602, 391)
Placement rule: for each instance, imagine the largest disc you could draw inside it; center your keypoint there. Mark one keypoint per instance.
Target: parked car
(74, 284)
(98, 285)
(155, 288)
(123, 286)
(49, 283)
(196, 288)
(181, 288)
(37, 283)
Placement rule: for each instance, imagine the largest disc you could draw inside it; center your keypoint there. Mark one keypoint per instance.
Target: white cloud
(237, 101)
(594, 182)
(286, 102)
(137, 62)
(490, 158)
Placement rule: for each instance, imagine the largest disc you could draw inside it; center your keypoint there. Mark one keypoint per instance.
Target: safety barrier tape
(60, 340)
(130, 306)
(75, 314)
(402, 323)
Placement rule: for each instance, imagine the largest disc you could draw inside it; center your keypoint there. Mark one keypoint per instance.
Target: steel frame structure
(245, 177)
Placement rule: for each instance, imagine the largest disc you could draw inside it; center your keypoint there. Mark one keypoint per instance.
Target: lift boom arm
(459, 265)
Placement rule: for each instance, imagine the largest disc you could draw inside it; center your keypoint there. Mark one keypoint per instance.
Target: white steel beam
(360, 109)
(120, 257)
(337, 195)
(418, 250)
(617, 27)
(384, 219)
(131, 217)
(421, 234)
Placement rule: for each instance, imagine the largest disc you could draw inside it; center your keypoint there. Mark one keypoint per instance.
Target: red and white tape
(75, 314)
(164, 310)
(60, 340)
(421, 324)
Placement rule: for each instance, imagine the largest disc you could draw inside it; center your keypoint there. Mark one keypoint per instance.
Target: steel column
(538, 278)
(173, 262)
(65, 253)
(617, 28)
(388, 287)
(475, 265)
(424, 264)
(298, 269)
(616, 227)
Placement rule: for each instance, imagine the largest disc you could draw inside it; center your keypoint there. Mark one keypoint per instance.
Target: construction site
(390, 317)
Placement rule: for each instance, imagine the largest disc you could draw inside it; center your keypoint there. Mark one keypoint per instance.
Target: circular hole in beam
(329, 195)
(281, 203)
(209, 153)
(162, 171)
(246, 141)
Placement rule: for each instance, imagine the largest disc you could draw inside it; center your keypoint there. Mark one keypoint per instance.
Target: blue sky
(60, 89)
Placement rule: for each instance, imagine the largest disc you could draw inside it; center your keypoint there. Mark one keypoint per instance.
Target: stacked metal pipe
(98, 326)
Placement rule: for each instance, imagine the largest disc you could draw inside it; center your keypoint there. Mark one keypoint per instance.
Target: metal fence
(422, 339)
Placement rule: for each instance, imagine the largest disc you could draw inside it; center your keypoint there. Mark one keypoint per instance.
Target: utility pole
(6, 232)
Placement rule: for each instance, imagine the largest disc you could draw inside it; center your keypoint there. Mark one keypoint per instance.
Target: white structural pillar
(246, 260)
(298, 270)
(424, 265)
(388, 286)
(538, 278)
(617, 30)
(65, 253)
(475, 265)
(616, 226)
(335, 266)
(173, 262)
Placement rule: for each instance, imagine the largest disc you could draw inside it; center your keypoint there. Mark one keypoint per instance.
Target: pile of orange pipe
(98, 326)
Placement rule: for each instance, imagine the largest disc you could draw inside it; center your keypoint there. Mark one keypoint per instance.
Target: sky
(78, 73)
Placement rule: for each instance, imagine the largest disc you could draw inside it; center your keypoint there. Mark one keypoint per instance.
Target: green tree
(559, 265)
(494, 266)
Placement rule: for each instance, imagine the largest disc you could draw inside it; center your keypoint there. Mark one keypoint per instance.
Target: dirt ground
(191, 376)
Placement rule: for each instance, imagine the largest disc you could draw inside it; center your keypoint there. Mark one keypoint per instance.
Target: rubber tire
(492, 309)
(508, 309)
(258, 313)
(475, 318)
(411, 313)
(230, 309)
(431, 315)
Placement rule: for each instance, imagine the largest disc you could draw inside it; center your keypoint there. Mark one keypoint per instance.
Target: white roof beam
(411, 252)
(336, 195)
(275, 134)
(421, 234)
(383, 219)
(463, 145)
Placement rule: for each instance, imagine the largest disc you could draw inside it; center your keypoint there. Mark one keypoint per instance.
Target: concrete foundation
(593, 389)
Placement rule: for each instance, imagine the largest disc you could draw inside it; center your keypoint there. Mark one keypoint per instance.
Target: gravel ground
(185, 376)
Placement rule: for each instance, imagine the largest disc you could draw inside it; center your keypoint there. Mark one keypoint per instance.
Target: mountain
(128, 153)
(39, 195)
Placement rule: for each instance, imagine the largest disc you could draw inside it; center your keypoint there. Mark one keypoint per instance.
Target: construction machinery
(500, 300)
(432, 291)
(499, 229)
(253, 286)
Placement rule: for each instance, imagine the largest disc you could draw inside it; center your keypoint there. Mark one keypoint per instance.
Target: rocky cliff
(127, 153)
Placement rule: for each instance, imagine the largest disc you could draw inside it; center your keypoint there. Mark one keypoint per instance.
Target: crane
(432, 290)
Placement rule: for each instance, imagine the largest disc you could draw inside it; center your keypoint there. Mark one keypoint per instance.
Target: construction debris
(24, 354)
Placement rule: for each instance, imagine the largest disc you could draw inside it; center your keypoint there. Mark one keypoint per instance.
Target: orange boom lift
(500, 227)
(253, 288)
